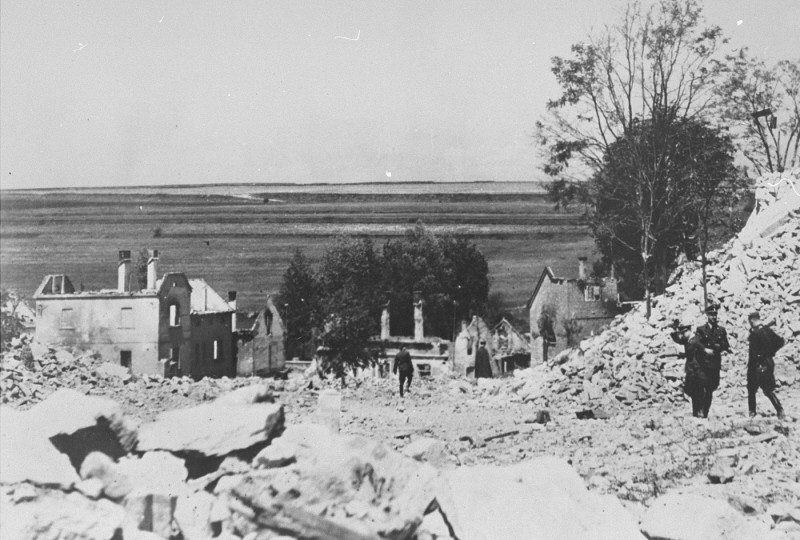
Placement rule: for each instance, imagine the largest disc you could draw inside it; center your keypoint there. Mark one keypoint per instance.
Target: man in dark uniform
(483, 363)
(708, 344)
(404, 365)
(764, 343)
(695, 381)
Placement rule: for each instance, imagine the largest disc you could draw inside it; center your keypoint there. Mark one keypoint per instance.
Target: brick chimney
(582, 268)
(232, 304)
(152, 268)
(124, 271)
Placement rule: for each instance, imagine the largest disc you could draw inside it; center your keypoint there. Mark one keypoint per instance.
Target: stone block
(427, 449)
(278, 454)
(78, 425)
(155, 472)
(151, 512)
(212, 429)
(541, 498)
(38, 350)
(314, 497)
(114, 371)
(102, 468)
(58, 515)
(192, 513)
(64, 357)
(694, 517)
(28, 455)
(721, 473)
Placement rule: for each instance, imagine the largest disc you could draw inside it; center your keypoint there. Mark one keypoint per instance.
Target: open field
(237, 242)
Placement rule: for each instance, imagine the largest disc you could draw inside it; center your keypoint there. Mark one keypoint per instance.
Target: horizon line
(268, 184)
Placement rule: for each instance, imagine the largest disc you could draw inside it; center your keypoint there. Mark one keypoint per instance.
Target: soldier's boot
(777, 404)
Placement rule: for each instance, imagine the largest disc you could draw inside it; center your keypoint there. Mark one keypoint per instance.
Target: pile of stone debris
(75, 466)
(29, 372)
(635, 363)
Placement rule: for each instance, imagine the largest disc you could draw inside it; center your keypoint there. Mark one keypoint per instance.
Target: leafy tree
(298, 303)
(10, 326)
(449, 272)
(562, 193)
(654, 63)
(716, 184)
(350, 302)
(770, 142)
(466, 276)
(415, 264)
(656, 187)
(342, 302)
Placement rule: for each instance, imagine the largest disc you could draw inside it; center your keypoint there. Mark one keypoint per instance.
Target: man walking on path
(764, 343)
(483, 363)
(404, 365)
(710, 341)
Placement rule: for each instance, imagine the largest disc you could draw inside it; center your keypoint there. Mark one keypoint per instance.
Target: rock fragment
(427, 449)
(694, 517)
(212, 429)
(541, 498)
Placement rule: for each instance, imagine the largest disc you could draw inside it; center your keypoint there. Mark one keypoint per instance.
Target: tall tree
(449, 272)
(350, 301)
(657, 186)
(653, 63)
(298, 302)
(761, 103)
(706, 165)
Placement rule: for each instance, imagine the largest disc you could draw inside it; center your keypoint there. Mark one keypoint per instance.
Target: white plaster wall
(97, 326)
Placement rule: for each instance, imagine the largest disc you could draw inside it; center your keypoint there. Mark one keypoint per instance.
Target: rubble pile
(29, 372)
(82, 469)
(635, 363)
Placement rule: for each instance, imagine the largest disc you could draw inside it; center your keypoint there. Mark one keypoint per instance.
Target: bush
(10, 327)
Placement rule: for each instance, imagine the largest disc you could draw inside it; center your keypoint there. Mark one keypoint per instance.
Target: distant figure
(483, 363)
(710, 341)
(405, 367)
(764, 343)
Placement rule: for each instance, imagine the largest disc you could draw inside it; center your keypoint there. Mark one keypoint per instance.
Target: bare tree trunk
(646, 273)
(704, 251)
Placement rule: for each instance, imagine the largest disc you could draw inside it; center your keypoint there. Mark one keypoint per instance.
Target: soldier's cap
(753, 315)
(712, 310)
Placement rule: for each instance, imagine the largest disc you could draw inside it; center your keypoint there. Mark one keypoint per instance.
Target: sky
(121, 93)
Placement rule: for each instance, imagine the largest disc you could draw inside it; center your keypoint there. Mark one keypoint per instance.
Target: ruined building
(508, 348)
(173, 326)
(260, 338)
(583, 304)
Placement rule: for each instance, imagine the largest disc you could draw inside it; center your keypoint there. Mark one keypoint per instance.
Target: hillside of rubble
(634, 363)
(600, 443)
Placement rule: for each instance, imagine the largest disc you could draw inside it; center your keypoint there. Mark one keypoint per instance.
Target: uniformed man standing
(709, 342)
(405, 367)
(764, 343)
(483, 362)
(695, 380)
